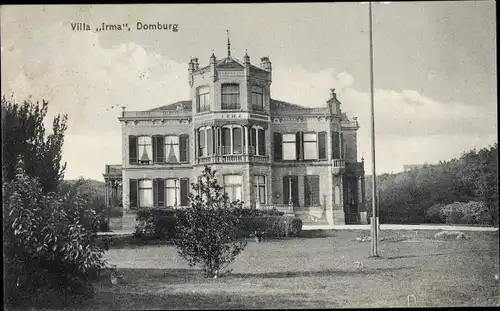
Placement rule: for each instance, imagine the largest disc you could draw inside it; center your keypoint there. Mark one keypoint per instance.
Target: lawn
(313, 273)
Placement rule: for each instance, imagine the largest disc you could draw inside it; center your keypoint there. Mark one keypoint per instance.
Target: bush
(46, 243)
(207, 230)
(155, 223)
(472, 212)
(161, 223)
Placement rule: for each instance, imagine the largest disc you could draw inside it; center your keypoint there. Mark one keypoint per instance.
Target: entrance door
(291, 189)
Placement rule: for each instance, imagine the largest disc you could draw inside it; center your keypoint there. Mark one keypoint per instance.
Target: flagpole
(374, 219)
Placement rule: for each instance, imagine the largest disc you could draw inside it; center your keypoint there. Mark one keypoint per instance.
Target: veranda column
(246, 140)
(257, 187)
(106, 200)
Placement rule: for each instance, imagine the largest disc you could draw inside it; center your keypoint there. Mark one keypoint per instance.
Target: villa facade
(267, 153)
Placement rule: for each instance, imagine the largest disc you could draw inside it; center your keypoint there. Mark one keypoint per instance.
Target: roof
(276, 105)
(185, 104)
(230, 62)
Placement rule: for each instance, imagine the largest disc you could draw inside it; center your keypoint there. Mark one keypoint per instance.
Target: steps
(309, 219)
(128, 221)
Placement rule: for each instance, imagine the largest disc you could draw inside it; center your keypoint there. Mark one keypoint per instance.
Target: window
(158, 149)
(259, 189)
(133, 191)
(172, 149)
(146, 193)
(184, 148)
(210, 142)
(230, 96)
(322, 145)
(184, 191)
(278, 146)
(310, 146)
(159, 192)
(232, 186)
(132, 149)
(202, 151)
(203, 99)
(257, 98)
(261, 137)
(237, 140)
(335, 145)
(253, 141)
(226, 140)
(145, 149)
(173, 192)
(311, 190)
(289, 147)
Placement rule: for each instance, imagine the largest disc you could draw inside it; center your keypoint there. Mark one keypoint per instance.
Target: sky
(434, 68)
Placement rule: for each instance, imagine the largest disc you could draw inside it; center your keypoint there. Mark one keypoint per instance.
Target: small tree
(207, 230)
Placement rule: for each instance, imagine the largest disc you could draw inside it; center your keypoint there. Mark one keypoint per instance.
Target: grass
(312, 273)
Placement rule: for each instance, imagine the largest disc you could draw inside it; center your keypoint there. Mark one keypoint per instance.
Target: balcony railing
(232, 158)
(338, 165)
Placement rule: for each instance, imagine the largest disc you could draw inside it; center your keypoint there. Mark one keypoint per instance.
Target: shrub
(161, 223)
(207, 230)
(46, 243)
(155, 223)
(472, 212)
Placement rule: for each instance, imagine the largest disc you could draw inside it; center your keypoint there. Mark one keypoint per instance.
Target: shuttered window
(159, 192)
(299, 142)
(335, 145)
(184, 191)
(132, 149)
(133, 193)
(322, 146)
(184, 148)
(278, 146)
(311, 190)
(158, 149)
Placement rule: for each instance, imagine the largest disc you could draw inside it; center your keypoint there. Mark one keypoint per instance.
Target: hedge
(159, 223)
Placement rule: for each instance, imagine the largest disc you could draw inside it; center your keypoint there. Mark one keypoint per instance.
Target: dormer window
(230, 96)
(257, 98)
(203, 99)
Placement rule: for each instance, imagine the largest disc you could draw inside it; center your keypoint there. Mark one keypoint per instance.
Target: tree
(23, 135)
(207, 230)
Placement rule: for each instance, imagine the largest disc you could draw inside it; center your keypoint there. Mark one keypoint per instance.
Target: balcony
(232, 158)
(338, 166)
(239, 155)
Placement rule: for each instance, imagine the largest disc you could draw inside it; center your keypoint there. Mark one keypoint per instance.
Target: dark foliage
(23, 136)
(415, 196)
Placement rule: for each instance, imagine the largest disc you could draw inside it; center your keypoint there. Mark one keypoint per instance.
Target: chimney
(246, 58)
(191, 66)
(196, 65)
(265, 64)
(213, 59)
(333, 93)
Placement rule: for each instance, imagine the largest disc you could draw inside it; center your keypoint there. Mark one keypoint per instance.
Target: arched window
(210, 141)
(337, 195)
(226, 140)
(237, 140)
(201, 143)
